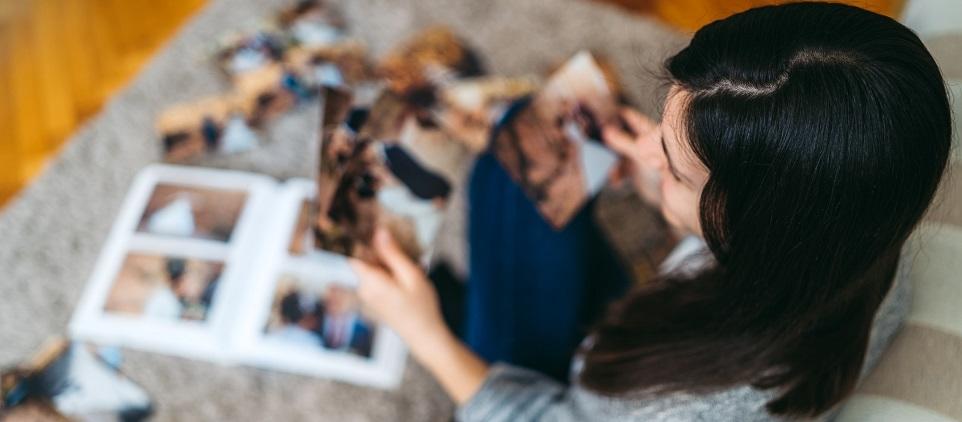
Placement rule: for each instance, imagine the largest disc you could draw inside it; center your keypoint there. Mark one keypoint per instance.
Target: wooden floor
(60, 60)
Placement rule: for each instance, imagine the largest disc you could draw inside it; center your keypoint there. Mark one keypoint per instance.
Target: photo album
(221, 265)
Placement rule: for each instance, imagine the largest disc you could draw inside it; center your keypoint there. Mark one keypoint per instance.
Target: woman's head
(812, 137)
(821, 126)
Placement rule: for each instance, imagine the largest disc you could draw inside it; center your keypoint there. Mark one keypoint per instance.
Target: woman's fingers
(639, 123)
(374, 285)
(405, 270)
(618, 140)
(371, 277)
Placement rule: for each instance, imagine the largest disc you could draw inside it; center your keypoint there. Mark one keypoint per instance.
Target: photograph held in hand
(380, 166)
(551, 143)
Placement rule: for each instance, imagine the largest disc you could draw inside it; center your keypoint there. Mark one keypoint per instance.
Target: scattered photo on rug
(164, 287)
(551, 144)
(194, 212)
(217, 125)
(338, 65)
(306, 24)
(312, 314)
(312, 23)
(432, 56)
(72, 381)
(468, 108)
(380, 166)
(239, 55)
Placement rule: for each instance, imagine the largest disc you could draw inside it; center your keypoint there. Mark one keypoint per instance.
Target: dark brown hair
(825, 129)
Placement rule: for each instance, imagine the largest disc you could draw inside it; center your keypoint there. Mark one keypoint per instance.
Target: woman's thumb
(398, 263)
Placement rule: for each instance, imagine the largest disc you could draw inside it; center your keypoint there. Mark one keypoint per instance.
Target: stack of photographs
(380, 166)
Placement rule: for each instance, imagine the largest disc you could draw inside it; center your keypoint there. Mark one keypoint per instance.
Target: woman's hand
(641, 148)
(401, 297)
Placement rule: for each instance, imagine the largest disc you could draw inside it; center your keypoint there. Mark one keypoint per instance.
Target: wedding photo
(325, 315)
(551, 143)
(163, 287)
(192, 212)
(372, 172)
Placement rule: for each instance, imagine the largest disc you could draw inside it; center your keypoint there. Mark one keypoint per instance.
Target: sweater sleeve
(515, 394)
(511, 393)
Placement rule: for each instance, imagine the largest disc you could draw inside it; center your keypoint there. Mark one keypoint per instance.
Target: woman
(803, 143)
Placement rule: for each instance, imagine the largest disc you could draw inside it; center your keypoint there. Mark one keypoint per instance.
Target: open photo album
(221, 265)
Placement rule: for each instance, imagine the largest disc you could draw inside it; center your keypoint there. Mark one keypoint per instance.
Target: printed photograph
(164, 287)
(216, 125)
(381, 167)
(320, 315)
(73, 381)
(552, 144)
(187, 211)
(468, 108)
(434, 54)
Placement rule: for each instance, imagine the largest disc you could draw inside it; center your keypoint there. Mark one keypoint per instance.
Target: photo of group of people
(310, 314)
(551, 144)
(380, 167)
(164, 287)
(192, 212)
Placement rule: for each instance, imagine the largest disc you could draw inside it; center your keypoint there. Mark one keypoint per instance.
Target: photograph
(251, 52)
(215, 125)
(193, 212)
(380, 167)
(551, 144)
(468, 108)
(341, 64)
(319, 315)
(311, 23)
(73, 381)
(434, 54)
(164, 287)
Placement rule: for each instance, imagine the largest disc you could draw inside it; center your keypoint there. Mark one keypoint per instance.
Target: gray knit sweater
(514, 394)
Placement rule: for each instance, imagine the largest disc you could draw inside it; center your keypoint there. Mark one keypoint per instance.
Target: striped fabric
(919, 378)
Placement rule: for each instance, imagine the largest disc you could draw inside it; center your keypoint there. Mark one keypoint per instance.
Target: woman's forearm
(459, 370)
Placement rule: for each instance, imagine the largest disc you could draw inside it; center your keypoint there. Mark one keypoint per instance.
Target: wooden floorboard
(59, 62)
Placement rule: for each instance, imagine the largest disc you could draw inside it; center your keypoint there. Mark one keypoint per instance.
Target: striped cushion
(920, 377)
